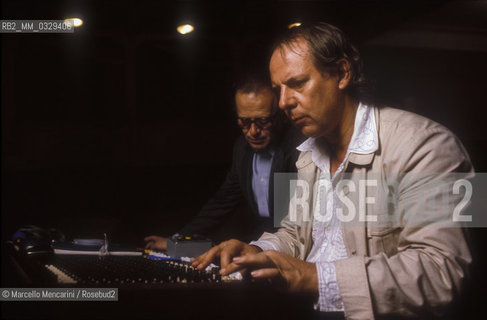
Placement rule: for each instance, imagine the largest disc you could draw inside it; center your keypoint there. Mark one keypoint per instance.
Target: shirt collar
(267, 152)
(364, 138)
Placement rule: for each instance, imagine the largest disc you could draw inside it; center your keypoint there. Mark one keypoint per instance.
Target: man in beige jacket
(373, 225)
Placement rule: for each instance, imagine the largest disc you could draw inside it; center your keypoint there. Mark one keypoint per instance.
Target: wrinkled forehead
(252, 104)
(289, 59)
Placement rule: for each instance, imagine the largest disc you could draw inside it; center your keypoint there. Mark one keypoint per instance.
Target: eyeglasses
(261, 123)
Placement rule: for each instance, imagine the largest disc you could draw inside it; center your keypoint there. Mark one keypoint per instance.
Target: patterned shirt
(328, 243)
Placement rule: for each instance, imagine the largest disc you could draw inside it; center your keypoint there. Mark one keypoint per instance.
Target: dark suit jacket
(237, 187)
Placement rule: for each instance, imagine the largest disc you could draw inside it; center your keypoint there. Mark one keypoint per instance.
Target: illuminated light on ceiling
(76, 22)
(294, 25)
(185, 29)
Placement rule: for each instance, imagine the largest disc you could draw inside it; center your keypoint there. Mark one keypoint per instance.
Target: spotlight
(185, 29)
(294, 25)
(76, 22)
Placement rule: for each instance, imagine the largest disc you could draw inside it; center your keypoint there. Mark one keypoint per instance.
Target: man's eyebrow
(294, 81)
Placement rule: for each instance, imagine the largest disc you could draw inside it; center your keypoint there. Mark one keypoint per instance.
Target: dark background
(126, 127)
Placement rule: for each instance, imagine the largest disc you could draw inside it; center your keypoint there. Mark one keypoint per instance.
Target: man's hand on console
(155, 242)
(226, 251)
(299, 276)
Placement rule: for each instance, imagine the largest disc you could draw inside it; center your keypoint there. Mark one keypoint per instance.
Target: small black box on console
(187, 246)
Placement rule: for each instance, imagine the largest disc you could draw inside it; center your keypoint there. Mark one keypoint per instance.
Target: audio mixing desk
(148, 287)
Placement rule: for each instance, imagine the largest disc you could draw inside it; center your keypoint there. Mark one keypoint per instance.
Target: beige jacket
(394, 267)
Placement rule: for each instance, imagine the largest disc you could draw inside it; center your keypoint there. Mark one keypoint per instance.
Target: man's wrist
(311, 279)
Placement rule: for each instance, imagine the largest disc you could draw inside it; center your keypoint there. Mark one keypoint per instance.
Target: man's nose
(285, 98)
(254, 129)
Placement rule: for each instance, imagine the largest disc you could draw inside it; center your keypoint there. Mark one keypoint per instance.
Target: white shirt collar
(364, 138)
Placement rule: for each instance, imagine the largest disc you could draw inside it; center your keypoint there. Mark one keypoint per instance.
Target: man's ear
(344, 74)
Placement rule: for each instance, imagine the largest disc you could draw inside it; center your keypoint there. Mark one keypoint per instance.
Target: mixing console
(88, 270)
(150, 286)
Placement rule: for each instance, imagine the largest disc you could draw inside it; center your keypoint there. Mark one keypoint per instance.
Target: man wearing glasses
(267, 145)
(367, 234)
